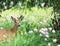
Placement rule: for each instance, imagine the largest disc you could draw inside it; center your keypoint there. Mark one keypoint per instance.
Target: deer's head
(17, 21)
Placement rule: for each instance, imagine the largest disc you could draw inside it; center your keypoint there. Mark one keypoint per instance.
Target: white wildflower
(30, 32)
(4, 3)
(50, 28)
(42, 32)
(49, 44)
(12, 2)
(54, 40)
(5, 7)
(42, 29)
(46, 33)
(47, 36)
(58, 45)
(53, 31)
(35, 30)
(45, 29)
(42, 4)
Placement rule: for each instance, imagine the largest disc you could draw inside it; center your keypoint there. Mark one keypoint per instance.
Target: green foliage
(7, 4)
(32, 20)
(56, 18)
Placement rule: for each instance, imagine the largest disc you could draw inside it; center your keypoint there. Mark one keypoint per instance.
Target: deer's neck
(14, 29)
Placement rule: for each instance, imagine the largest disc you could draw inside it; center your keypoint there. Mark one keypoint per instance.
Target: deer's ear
(21, 17)
(13, 18)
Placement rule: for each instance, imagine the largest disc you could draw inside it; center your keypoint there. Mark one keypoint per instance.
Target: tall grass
(33, 20)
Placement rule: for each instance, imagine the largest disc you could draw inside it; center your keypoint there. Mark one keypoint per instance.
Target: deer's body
(9, 34)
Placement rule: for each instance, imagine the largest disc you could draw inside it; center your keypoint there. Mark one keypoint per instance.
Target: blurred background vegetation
(25, 3)
(37, 14)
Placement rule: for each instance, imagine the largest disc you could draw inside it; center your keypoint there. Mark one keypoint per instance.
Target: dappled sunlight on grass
(34, 15)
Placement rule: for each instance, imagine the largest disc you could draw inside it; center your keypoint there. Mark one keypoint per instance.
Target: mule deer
(5, 34)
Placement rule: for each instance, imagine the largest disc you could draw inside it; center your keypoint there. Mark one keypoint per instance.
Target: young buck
(9, 34)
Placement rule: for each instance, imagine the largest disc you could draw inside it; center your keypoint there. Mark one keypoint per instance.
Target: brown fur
(9, 34)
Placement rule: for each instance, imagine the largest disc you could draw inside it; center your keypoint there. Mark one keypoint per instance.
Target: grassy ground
(33, 21)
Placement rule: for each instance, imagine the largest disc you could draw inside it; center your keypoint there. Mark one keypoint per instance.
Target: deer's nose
(18, 25)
